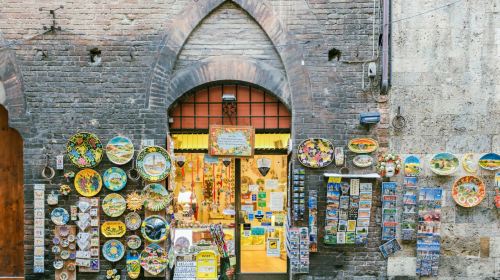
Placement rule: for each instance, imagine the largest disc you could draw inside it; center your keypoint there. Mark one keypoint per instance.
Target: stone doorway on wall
(237, 103)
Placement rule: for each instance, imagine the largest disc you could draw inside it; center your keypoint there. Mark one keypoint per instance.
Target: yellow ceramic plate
(88, 182)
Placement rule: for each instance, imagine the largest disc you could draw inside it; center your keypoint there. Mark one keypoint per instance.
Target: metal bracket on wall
(53, 27)
(399, 122)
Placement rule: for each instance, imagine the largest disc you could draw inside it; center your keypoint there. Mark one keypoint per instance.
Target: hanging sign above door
(229, 140)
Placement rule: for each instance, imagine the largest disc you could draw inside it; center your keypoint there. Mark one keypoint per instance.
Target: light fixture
(229, 104)
(369, 118)
(180, 160)
(264, 165)
(226, 161)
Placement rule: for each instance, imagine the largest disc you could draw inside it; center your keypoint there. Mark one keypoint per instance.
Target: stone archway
(11, 83)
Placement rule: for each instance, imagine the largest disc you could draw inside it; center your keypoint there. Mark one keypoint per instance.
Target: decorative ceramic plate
(133, 221)
(120, 150)
(113, 229)
(58, 264)
(468, 163)
(490, 161)
(88, 182)
(59, 216)
(133, 264)
(115, 179)
(64, 254)
(113, 250)
(468, 191)
(155, 228)
(154, 259)
(362, 145)
(444, 164)
(134, 242)
(134, 201)
(362, 161)
(114, 205)
(153, 164)
(156, 197)
(412, 166)
(315, 152)
(84, 150)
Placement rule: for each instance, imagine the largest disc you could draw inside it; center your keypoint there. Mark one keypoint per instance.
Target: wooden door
(11, 200)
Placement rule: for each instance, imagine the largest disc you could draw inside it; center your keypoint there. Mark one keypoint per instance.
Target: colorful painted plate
(120, 150)
(88, 182)
(156, 197)
(155, 228)
(315, 152)
(468, 191)
(59, 216)
(362, 161)
(154, 259)
(84, 150)
(134, 242)
(412, 166)
(468, 163)
(113, 250)
(490, 161)
(444, 164)
(113, 229)
(497, 189)
(362, 145)
(133, 264)
(133, 221)
(115, 179)
(114, 205)
(153, 164)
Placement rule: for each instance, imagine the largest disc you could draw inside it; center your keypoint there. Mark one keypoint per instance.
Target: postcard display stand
(70, 273)
(313, 221)
(87, 258)
(409, 216)
(297, 247)
(185, 269)
(39, 229)
(428, 236)
(348, 211)
(299, 206)
(389, 210)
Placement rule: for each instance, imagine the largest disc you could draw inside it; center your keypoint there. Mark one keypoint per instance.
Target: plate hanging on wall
(153, 164)
(133, 221)
(468, 191)
(315, 152)
(113, 229)
(362, 145)
(468, 163)
(134, 242)
(362, 161)
(59, 216)
(154, 259)
(412, 166)
(114, 205)
(155, 228)
(88, 182)
(490, 161)
(115, 179)
(444, 164)
(113, 250)
(120, 150)
(84, 150)
(156, 197)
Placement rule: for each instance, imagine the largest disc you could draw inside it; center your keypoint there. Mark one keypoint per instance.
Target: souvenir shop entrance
(247, 195)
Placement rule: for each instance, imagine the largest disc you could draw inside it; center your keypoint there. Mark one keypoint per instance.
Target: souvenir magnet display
(88, 182)
(113, 229)
(39, 229)
(490, 161)
(153, 164)
(155, 228)
(84, 150)
(362, 145)
(120, 150)
(315, 152)
(133, 264)
(153, 259)
(412, 166)
(156, 197)
(113, 250)
(363, 161)
(114, 205)
(115, 179)
(468, 163)
(133, 221)
(59, 216)
(444, 164)
(388, 165)
(468, 191)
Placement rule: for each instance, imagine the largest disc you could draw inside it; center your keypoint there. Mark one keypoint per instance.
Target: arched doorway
(248, 195)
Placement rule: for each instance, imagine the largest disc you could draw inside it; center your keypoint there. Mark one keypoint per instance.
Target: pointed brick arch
(10, 76)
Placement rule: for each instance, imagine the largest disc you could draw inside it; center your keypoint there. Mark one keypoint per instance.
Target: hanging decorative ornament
(134, 201)
(388, 165)
(227, 162)
(52, 198)
(264, 165)
(180, 160)
(154, 259)
(469, 164)
(133, 264)
(315, 152)
(64, 189)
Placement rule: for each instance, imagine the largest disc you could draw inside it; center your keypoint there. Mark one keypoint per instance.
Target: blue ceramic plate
(115, 179)
(113, 250)
(490, 161)
(59, 216)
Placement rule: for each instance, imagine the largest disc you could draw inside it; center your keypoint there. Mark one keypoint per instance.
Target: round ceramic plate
(113, 250)
(59, 216)
(490, 161)
(468, 191)
(134, 242)
(88, 182)
(315, 152)
(120, 150)
(362, 161)
(362, 145)
(133, 221)
(154, 259)
(84, 150)
(154, 228)
(115, 179)
(58, 264)
(114, 205)
(412, 166)
(153, 164)
(156, 197)
(444, 164)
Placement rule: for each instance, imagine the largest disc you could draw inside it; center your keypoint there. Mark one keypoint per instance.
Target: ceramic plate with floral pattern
(153, 164)
(88, 182)
(133, 221)
(115, 179)
(315, 152)
(113, 250)
(468, 191)
(59, 216)
(154, 259)
(84, 150)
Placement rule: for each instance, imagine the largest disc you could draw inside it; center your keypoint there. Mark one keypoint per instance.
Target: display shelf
(366, 176)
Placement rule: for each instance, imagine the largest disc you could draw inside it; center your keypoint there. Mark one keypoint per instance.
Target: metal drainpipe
(386, 50)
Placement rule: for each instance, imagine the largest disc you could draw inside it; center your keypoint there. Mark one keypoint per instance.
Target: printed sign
(206, 265)
(237, 141)
(273, 247)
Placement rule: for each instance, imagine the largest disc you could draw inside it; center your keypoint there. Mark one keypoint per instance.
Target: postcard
(363, 222)
(342, 225)
(388, 233)
(354, 187)
(341, 238)
(365, 204)
(351, 225)
(344, 202)
(390, 247)
(350, 237)
(364, 213)
(410, 181)
(362, 230)
(365, 187)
